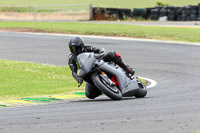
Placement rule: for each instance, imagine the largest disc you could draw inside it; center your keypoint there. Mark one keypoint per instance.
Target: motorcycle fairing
(85, 63)
(124, 82)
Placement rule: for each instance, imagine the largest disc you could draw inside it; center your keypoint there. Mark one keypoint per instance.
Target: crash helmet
(76, 45)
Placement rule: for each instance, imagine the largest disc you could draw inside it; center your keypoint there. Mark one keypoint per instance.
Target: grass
(23, 79)
(103, 3)
(152, 32)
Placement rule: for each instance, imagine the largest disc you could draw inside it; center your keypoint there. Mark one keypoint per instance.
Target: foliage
(161, 4)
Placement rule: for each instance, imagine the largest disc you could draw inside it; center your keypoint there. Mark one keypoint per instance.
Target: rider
(77, 46)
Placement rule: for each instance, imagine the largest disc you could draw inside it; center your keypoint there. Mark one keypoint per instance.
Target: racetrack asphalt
(173, 106)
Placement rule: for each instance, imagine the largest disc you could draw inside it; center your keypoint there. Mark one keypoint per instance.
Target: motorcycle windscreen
(85, 62)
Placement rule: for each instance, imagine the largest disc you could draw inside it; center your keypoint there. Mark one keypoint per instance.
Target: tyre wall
(167, 13)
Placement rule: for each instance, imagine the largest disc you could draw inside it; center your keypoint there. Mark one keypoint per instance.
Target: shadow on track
(108, 100)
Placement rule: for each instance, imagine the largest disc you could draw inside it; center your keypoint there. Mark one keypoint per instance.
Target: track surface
(172, 106)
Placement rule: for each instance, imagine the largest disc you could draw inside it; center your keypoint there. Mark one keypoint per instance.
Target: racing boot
(127, 68)
(91, 92)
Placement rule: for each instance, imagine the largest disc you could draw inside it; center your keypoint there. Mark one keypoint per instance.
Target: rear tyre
(111, 91)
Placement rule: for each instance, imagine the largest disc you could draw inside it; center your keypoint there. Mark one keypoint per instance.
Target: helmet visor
(75, 49)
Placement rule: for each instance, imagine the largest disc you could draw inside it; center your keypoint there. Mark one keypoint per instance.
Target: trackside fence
(45, 12)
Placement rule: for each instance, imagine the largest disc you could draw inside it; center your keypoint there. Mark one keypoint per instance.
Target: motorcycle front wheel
(109, 90)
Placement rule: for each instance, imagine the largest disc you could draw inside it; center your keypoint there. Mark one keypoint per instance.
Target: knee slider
(117, 58)
(113, 56)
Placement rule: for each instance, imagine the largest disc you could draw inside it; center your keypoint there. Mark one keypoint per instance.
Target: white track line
(152, 82)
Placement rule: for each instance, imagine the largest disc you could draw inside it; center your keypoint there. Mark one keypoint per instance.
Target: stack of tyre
(163, 12)
(194, 13)
(155, 14)
(189, 13)
(172, 13)
(198, 12)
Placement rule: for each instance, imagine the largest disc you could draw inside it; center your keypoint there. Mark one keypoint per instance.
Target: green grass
(152, 32)
(22, 79)
(103, 3)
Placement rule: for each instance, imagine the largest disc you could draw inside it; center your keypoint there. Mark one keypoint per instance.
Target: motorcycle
(110, 79)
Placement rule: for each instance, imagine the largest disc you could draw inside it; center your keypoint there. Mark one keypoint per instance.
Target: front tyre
(109, 90)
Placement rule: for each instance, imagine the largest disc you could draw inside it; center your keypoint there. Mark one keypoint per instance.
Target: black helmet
(76, 44)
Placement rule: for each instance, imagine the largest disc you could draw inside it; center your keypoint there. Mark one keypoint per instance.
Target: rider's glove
(102, 52)
(80, 81)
